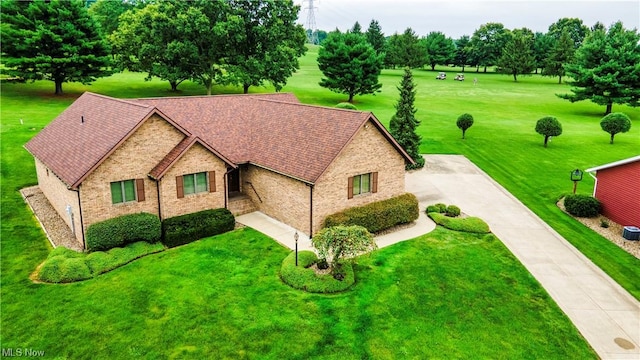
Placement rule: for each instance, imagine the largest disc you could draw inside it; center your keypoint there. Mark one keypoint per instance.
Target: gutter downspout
(595, 186)
(159, 200)
(310, 211)
(84, 242)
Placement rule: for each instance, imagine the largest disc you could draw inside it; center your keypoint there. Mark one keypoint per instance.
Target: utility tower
(312, 31)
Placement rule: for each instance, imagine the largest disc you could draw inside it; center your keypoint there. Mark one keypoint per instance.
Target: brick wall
(196, 159)
(368, 152)
(134, 159)
(618, 189)
(283, 198)
(59, 196)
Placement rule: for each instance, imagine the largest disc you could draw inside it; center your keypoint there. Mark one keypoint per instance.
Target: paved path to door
(606, 315)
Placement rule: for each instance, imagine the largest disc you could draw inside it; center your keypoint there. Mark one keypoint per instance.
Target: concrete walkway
(606, 315)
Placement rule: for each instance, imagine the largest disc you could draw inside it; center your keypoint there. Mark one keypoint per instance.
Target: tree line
(602, 63)
(230, 42)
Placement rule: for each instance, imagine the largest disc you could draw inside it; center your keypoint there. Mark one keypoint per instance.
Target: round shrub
(304, 278)
(123, 230)
(548, 126)
(582, 205)
(441, 207)
(346, 105)
(615, 123)
(464, 122)
(432, 208)
(452, 211)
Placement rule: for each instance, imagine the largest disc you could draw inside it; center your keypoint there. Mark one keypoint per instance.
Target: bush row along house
(104, 157)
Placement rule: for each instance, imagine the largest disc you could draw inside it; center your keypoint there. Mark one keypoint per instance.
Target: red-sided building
(618, 189)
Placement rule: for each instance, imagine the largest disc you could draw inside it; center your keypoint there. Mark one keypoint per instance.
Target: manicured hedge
(184, 229)
(582, 205)
(304, 278)
(468, 224)
(123, 230)
(378, 216)
(64, 265)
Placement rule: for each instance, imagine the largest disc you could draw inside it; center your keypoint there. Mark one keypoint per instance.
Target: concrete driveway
(606, 315)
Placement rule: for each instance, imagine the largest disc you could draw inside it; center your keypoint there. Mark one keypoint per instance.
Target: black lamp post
(576, 175)
(295, 237)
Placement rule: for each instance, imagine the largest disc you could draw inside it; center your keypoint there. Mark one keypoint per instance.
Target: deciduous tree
(542, 46)
(606, 68)
(615, 123)
(403, 123)
(56, 40)
(107, 13)
(462, 55)
(574, 26)
(548, 126)
(266, 45)
(350, 65)
(440, 49)
(488, 42)
(342, 242)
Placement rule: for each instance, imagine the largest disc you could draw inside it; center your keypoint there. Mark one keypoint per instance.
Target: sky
(462, 17)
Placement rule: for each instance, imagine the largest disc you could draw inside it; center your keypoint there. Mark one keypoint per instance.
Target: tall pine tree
(404, 123)
(55, 40)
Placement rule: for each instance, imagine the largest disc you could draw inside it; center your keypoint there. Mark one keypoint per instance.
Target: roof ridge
(211, 96)
(318, 106)
(118, 100)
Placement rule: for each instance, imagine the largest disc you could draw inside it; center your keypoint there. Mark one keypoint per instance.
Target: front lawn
(445, 295)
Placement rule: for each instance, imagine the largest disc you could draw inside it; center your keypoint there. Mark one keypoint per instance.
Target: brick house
(104, 157)
(618, 189)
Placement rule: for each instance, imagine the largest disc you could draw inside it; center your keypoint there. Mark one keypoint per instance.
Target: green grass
(227, 301)
(441, 295)
(470, 224)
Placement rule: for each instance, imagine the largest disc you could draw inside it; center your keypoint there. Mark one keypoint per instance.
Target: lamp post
(576, 175)
(295, 237)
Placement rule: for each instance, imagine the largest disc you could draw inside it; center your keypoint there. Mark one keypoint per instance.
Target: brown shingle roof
(274, 131)
(83, 135)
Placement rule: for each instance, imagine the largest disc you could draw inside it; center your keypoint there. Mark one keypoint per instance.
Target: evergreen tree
(462, 55)
(542, 46)
(356, 29)
(606, 68)
(615, 123)
(404, 123)
(57, 41)
(376, 37)
(562, 54)
(517, 57)
(405, 50)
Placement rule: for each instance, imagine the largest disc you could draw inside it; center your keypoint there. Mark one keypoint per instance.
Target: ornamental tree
(56, 40)
(404, 123)
(615, 123)
(350, 65)
(340, 242)
(548, 126)
(464, 122)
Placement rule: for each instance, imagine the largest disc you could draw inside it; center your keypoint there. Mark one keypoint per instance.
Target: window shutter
(212, 181)
(180, 187)
(374, 182)
(140, 189)
(350, 188)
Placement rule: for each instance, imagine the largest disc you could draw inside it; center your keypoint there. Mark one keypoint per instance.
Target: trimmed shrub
(582, 205)
(378, 216)
(468, 224)
(183, 229)
(68, 266)
(346, 105)
(123, 230)
(452, 211)
(304, 278)
(464, 122)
